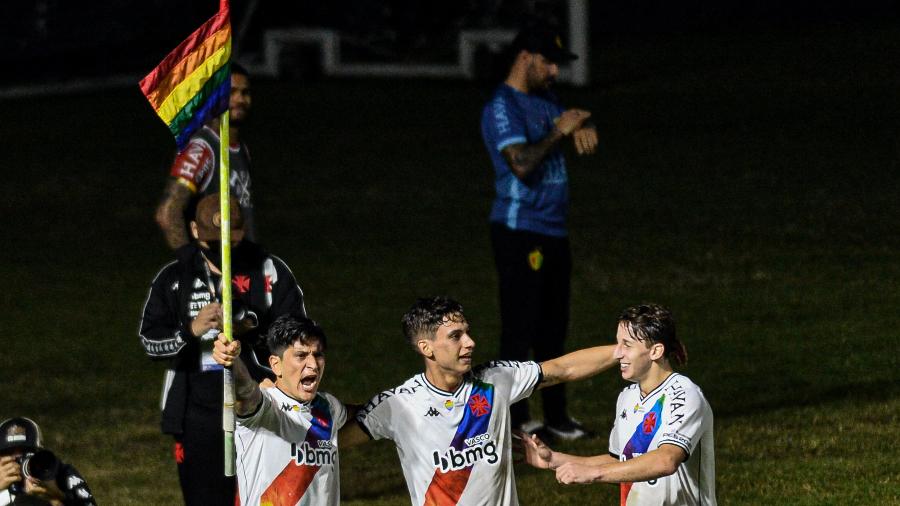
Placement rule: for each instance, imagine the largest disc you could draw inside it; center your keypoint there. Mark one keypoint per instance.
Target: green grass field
(748, 180)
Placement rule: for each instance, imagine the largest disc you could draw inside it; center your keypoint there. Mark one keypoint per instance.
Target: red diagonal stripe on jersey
(446, 488)
(289, 486)
(624, 489)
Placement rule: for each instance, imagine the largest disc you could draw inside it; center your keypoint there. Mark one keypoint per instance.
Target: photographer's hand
(46, 490)
(209, 317)
(10, 471)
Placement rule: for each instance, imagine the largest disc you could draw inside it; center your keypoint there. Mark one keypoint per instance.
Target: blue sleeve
(503, 124)
(555, 104)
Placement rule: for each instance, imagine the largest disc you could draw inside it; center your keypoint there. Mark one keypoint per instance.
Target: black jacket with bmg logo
(261, 283)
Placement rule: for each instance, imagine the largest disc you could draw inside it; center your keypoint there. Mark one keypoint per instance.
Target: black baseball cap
(543, 40)
(19, 432)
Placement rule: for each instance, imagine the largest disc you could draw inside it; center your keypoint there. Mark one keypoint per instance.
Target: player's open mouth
(466, 358)
(623, 366)
(308, 383)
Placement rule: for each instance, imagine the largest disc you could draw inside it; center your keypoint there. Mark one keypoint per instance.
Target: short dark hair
(429, 313)
(237, 68)
(652, 323)
(292, 327)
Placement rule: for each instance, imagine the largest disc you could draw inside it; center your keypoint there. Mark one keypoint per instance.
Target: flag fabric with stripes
(192, 84)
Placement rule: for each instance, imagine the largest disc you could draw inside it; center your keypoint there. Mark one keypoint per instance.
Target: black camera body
(242, 315)
(42, 465)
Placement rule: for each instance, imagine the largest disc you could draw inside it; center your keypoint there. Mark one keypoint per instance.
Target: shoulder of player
(500, 367)
(679, 389)
(199, 143)
(405, 390)
(504, 364)
(678, 382)
(504, 97)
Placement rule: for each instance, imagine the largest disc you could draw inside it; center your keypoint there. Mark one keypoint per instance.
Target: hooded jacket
(261, 283)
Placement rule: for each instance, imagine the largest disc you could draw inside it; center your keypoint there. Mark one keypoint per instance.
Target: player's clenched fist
(209, 317)
(224, 353)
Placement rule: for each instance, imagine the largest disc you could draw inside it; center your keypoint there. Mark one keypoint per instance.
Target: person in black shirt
(181, 320)
(49, 480)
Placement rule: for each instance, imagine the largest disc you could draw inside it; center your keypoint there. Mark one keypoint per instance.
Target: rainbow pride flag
(192, 84)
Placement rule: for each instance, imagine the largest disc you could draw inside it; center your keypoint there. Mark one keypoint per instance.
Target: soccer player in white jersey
(451, 424)
(661, 448)
(287, 436)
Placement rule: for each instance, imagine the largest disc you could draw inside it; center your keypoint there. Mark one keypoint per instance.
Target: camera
(242, 315)
(42, 465)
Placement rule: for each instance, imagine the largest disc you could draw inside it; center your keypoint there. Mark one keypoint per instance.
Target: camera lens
(42, 466)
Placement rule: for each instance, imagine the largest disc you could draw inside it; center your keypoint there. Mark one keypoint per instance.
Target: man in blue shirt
(523, 126)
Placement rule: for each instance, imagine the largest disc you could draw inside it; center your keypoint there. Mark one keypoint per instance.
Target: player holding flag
(191, 86)
(451, 424)
(287, 436)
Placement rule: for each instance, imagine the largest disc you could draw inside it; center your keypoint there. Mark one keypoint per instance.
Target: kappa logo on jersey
(478, 448)
(623, 415)
(432, 412)
(289, 407)
(242, 283)
(479, 405)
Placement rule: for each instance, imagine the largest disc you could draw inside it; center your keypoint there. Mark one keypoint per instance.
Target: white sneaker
(569, 430)
(531, 426)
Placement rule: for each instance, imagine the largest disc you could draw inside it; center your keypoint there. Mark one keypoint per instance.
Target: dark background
(746, 177)
(57, 40)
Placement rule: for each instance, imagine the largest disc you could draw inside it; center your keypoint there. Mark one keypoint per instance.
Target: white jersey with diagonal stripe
(676, 413)
(287, 451)
(455, 447)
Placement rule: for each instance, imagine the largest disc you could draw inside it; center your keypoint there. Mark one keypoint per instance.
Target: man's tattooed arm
(170, 214)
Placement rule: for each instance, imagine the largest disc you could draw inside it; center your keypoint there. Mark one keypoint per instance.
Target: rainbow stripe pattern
(192, 84)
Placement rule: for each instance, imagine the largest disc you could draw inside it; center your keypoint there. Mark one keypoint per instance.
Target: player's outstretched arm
(655, 464)
(577, 365)
(541, 456)
(247, 394)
